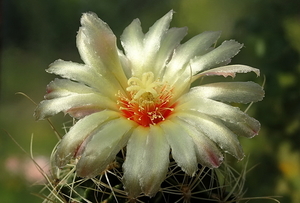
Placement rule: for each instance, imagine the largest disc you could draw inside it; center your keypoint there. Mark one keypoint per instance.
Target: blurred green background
(37, 32)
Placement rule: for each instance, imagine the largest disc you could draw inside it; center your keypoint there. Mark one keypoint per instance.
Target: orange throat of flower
(148, 101)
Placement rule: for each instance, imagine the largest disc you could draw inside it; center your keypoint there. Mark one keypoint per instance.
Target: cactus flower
(140, 99)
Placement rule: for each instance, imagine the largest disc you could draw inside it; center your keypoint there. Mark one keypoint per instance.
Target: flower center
(148, 101)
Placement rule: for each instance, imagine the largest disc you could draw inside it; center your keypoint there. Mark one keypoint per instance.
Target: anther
(148, 100)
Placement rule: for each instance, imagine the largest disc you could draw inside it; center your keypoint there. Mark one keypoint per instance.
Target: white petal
(85, 74)
(142, 49)
(81, 104)
(132, 42)
(182, 146)
(178, 72)
(215, 130)
(229, 70)
(239, 92)
(84, 128)
(226, 113)
(170, 41)
(134, 156)
(64, 87)
(181, 82)
(125, 64)
(155, 161)
(185, 52)
(97, 47)
(208, 154)
(147, 161)
(156, 33)
(103, 147)
(221, 54)
(153, 40)
(247, 129)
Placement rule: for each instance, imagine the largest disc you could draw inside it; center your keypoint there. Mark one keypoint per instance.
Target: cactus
(144, 133)
(220, 185)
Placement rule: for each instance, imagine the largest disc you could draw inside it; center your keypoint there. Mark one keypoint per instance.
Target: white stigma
(145, 90)
(148, 100)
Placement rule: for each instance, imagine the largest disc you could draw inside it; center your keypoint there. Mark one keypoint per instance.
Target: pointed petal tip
(255, 131)
(239, 154)
(88, 16)
(190, 171)
(214, 160)
(85, 170)
(38, 115)
(240, 158)
(54, 65)
(170, 13)
(228, 70)
(215, 34)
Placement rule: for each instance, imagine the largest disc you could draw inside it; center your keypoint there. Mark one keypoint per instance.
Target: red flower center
(148, 101)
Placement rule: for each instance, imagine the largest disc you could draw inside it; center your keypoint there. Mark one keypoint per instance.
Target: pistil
(148, 100)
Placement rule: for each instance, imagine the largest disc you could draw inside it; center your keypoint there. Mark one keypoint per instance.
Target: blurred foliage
(37, 32)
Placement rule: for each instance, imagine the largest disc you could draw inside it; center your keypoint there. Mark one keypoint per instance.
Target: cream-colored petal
(142, 50)
(156, 33)
(220, 55)
(103, 147)
(147, 161)
(246, 129)
(238, 92)
(226, 113)
(155, 161)
(178, 72)
(153, 41)
(198, 45)
(82, 102)
(134, 156)
(64, 87)
(226, 71)
(132, 42)
(97, 47)
(215, 130)
(82, 130)
(182, 146)
(181, 83)
(208, 154)
(85, 74)
(170, 41)
(125, 64)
